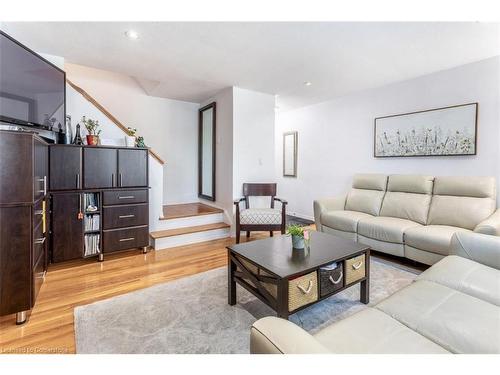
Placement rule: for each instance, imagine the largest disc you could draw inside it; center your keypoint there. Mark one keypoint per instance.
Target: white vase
(129, 141)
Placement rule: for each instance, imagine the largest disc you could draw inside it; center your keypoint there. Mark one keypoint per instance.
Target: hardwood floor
(50, 327)
(175, 211)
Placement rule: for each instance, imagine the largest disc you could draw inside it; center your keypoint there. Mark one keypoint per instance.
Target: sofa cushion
(370, 331)
(410, 183)
(466, 276)
(346, 221)
(260, 216)
(388, 229)
(367, 193)
(462, 201)
(457, 321)
(369, 181)
(434, 238)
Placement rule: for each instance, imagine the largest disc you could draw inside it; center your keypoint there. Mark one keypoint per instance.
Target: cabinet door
(41, 169)
(132, 168)
(15, 259)
(67, 228)
(99, 168)
(65, 167)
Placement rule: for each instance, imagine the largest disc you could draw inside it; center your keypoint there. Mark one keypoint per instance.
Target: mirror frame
(294, 135)
(200, 150)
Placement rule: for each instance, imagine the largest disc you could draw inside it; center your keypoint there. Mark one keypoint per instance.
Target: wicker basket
(302, 291)
(354, 269)
(331, 280)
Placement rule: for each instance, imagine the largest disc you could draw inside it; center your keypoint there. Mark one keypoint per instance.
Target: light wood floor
(50, 327)
(175, 211)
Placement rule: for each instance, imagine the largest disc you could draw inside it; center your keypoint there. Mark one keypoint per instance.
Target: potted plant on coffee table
(297, 233)
(93, 131)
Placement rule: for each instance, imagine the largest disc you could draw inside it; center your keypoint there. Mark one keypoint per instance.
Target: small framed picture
(290, 154)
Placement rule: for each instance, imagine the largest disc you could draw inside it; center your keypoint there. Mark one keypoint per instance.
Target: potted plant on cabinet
(130, 138)
(92, 130)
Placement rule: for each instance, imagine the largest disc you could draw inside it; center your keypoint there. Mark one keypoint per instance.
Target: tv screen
(32, 90)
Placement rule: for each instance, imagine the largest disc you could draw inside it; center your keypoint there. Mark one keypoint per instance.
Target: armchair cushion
(433, 238)
(491, 225)
(264, 216)
(346, 221)
(481, 248)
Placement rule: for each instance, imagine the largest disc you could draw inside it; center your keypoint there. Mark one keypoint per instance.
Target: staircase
(184, 224)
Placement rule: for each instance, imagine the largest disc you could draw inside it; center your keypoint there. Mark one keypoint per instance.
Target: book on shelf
(92, 222)
(92, 244)
(91, 202)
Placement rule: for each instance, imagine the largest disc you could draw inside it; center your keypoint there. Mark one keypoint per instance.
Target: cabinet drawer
(121, 239)
(124, 197)
(302, 291)
(125, 216)
(354, 269)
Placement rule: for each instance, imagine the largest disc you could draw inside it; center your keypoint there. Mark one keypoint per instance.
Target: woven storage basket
(302, 291)
(249, 266)
(354, 269)
(331, 280)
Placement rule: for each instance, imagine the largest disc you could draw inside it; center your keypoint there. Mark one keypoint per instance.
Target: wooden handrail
(113, 119)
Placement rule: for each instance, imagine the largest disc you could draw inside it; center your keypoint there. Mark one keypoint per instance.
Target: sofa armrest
(482, 248)
(327, 204)
(272, 335)
(491, 225)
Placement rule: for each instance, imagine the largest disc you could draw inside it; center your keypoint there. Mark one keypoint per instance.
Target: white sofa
(411, 216)
(453, 307)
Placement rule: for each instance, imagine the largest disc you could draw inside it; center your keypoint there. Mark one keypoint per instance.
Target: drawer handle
(358, 265)
(127, 197)
(39, 241)
(127, 239)
(309, 288)
(336, 281)
(125, 216)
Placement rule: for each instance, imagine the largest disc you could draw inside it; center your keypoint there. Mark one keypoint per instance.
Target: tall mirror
(206, 152)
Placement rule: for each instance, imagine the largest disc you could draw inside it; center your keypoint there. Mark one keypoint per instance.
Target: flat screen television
(32, 90)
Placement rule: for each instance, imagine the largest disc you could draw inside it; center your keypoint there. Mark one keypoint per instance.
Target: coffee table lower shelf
(276, 291)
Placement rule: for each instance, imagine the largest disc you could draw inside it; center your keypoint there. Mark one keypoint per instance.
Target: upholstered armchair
(259, 219)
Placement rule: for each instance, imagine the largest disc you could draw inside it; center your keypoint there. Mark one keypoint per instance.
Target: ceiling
(191, 61)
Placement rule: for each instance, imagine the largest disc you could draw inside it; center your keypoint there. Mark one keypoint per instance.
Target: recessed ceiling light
(307, 83)
(132, 34)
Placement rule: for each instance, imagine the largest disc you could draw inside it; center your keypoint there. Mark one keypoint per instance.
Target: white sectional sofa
(453, 307)
(411, 216)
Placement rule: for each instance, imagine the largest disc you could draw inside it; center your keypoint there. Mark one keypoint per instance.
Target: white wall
(169, 126)
(335, 138)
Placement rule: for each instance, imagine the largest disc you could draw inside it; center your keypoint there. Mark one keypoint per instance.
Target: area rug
(191, 315)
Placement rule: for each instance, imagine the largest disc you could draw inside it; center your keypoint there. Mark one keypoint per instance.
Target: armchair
(259, 219)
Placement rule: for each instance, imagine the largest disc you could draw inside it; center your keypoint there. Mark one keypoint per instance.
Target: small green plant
(295, 230)
(132, 131)
(91, 126)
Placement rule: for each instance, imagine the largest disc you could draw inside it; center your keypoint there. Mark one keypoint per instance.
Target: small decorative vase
(130, 141)
(298, 242)
(92, 140)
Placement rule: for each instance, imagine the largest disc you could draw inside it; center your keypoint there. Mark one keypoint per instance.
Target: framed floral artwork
(447, 131)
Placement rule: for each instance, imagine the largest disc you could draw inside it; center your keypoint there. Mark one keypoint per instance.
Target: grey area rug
(191, 315)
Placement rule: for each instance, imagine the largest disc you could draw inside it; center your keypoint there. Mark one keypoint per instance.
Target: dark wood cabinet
(67, 227)
(132, 168)
(100, 167)
(65, 167)
(23, 220)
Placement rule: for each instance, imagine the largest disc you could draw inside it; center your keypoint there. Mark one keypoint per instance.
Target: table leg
(365, 285)
(231, 284)
(282, 300)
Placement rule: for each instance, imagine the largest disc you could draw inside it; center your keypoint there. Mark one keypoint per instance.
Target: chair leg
(248, 233)
(237, 235)
(271, 233)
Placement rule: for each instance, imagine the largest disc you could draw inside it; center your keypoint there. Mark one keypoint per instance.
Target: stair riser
(189, 221)
(187, 239)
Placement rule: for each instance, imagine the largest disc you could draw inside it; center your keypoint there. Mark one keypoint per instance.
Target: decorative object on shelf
(297, 233)
(68, 130)
(140, 142)
(78, 138)
(290, 154)
(447, 131)
(93, 130)
(130, 139)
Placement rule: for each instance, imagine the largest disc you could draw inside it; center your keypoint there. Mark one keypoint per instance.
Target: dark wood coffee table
(290, 280)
